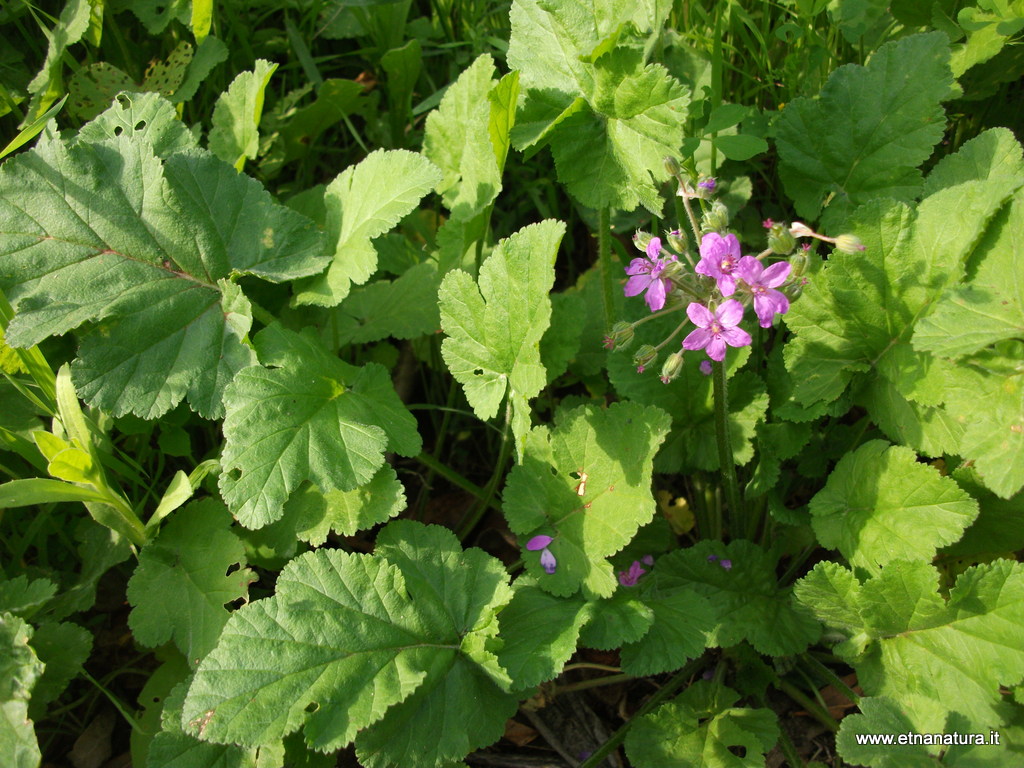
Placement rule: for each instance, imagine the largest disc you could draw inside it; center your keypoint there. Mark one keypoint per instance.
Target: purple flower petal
(656, 294)
(654, 248)
(647, 559)
(538, 542)
(735, 337)
(749, 270)
(632, 576)
(547, 561)
(712, 558)
(716, 348)
(776, 274)
(699, 314)
(727, 285)
(730, 313)
(727, 564)
(705, 367)
(697, 339)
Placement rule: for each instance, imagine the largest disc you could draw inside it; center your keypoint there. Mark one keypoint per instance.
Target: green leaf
(609, 118)
(46, 87)
(880, 505)
(179, 588)
(63, 649)
(458, 141)
(702, 729)
(622, 618)
(309, 417)
(142, 250)
(146, 115)
(880, 716)
(41, 490)
(23, 597)
(19, 669)
(316, 514)
(389, 650)
(590, 518)
(990, 307)
(236, 117)
(363, 202)
(864, 137)
(924, 652)
(403, 309)
(495, 326)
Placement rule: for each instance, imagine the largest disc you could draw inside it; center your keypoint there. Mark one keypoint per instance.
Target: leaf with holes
(143, 251)
(586, 483)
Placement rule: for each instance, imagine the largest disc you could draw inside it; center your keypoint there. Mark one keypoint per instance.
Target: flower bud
(799, 229)
(706, 187)
(849, 244)
(672, 166)
(644, 357)
(619, 336)
(673, 269)
(676, 241)
(781, 240)
(673, 365)
(717, 218)
(798, 262)
(641, 240)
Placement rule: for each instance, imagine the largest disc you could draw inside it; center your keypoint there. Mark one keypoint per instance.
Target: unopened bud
(673, 365)
(676, 241)
(644, 357)
(619, 336)
(706, 187)
(673, 270)
(799, 229)
(798, 263)
(641, 240)
(672, 166)
(780, 239)
(849, 244)
(717, 218)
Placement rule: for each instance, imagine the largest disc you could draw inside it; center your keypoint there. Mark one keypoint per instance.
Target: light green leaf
(316, 514)
(458, 141)
(881, 717)
(179, 588)
(403, 309)
(47, 86)
(106, 233)
(148, 115)
(19, 669)
(952, 655)
(41, 490)
(494, 328)
(864, 137)
(590, 518)
(388, 650)
(622, 618)
(609, 117)
(363, 202)
(702, 729)
(880, 505)
(310, 417)
(236, 117)
(990, 307)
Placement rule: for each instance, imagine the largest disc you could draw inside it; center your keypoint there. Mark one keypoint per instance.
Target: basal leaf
(912, 645)
(585, 483)
(494, 326)
(701, 728)
(23, 597)
(108, 234)
(63, 648)
(880, 504)
(315, 514)
(184, 579)
(864, 137)
(236, 117)
(389, 643)
(609, 117)
(19, 669)
(363, 202)
(309, 417)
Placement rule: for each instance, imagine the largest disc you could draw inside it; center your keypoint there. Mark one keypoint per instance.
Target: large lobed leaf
(926, 653)
(390, 650)
(867, 132)
(609, 117)
(494, 326)
(587, 484)
(142, 250)
(309, 417)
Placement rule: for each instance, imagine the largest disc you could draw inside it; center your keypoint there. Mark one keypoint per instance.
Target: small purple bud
(705, 367)
(647, 560)
(712, 558)
(538, 542)
(727, 564)
(708, 184)
(547, 561)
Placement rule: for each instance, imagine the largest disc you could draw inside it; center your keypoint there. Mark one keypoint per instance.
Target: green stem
(594, 682)
(487, 500)
(604, 258)
(673, 685)
(812, 707)
(833, 678)
(737, 523)
(454, 477)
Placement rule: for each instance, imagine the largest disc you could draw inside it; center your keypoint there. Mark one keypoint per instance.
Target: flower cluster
(716, 289)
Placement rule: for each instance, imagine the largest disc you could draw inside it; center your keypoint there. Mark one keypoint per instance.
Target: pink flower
(645, 275)
(632, 576)
(719, 257)
(716, 329)
(762, 283)
(547, 559)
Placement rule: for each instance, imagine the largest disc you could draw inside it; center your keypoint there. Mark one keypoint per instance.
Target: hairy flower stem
(679, 679)
(737, 519)
(604, 258)
(693, 219)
